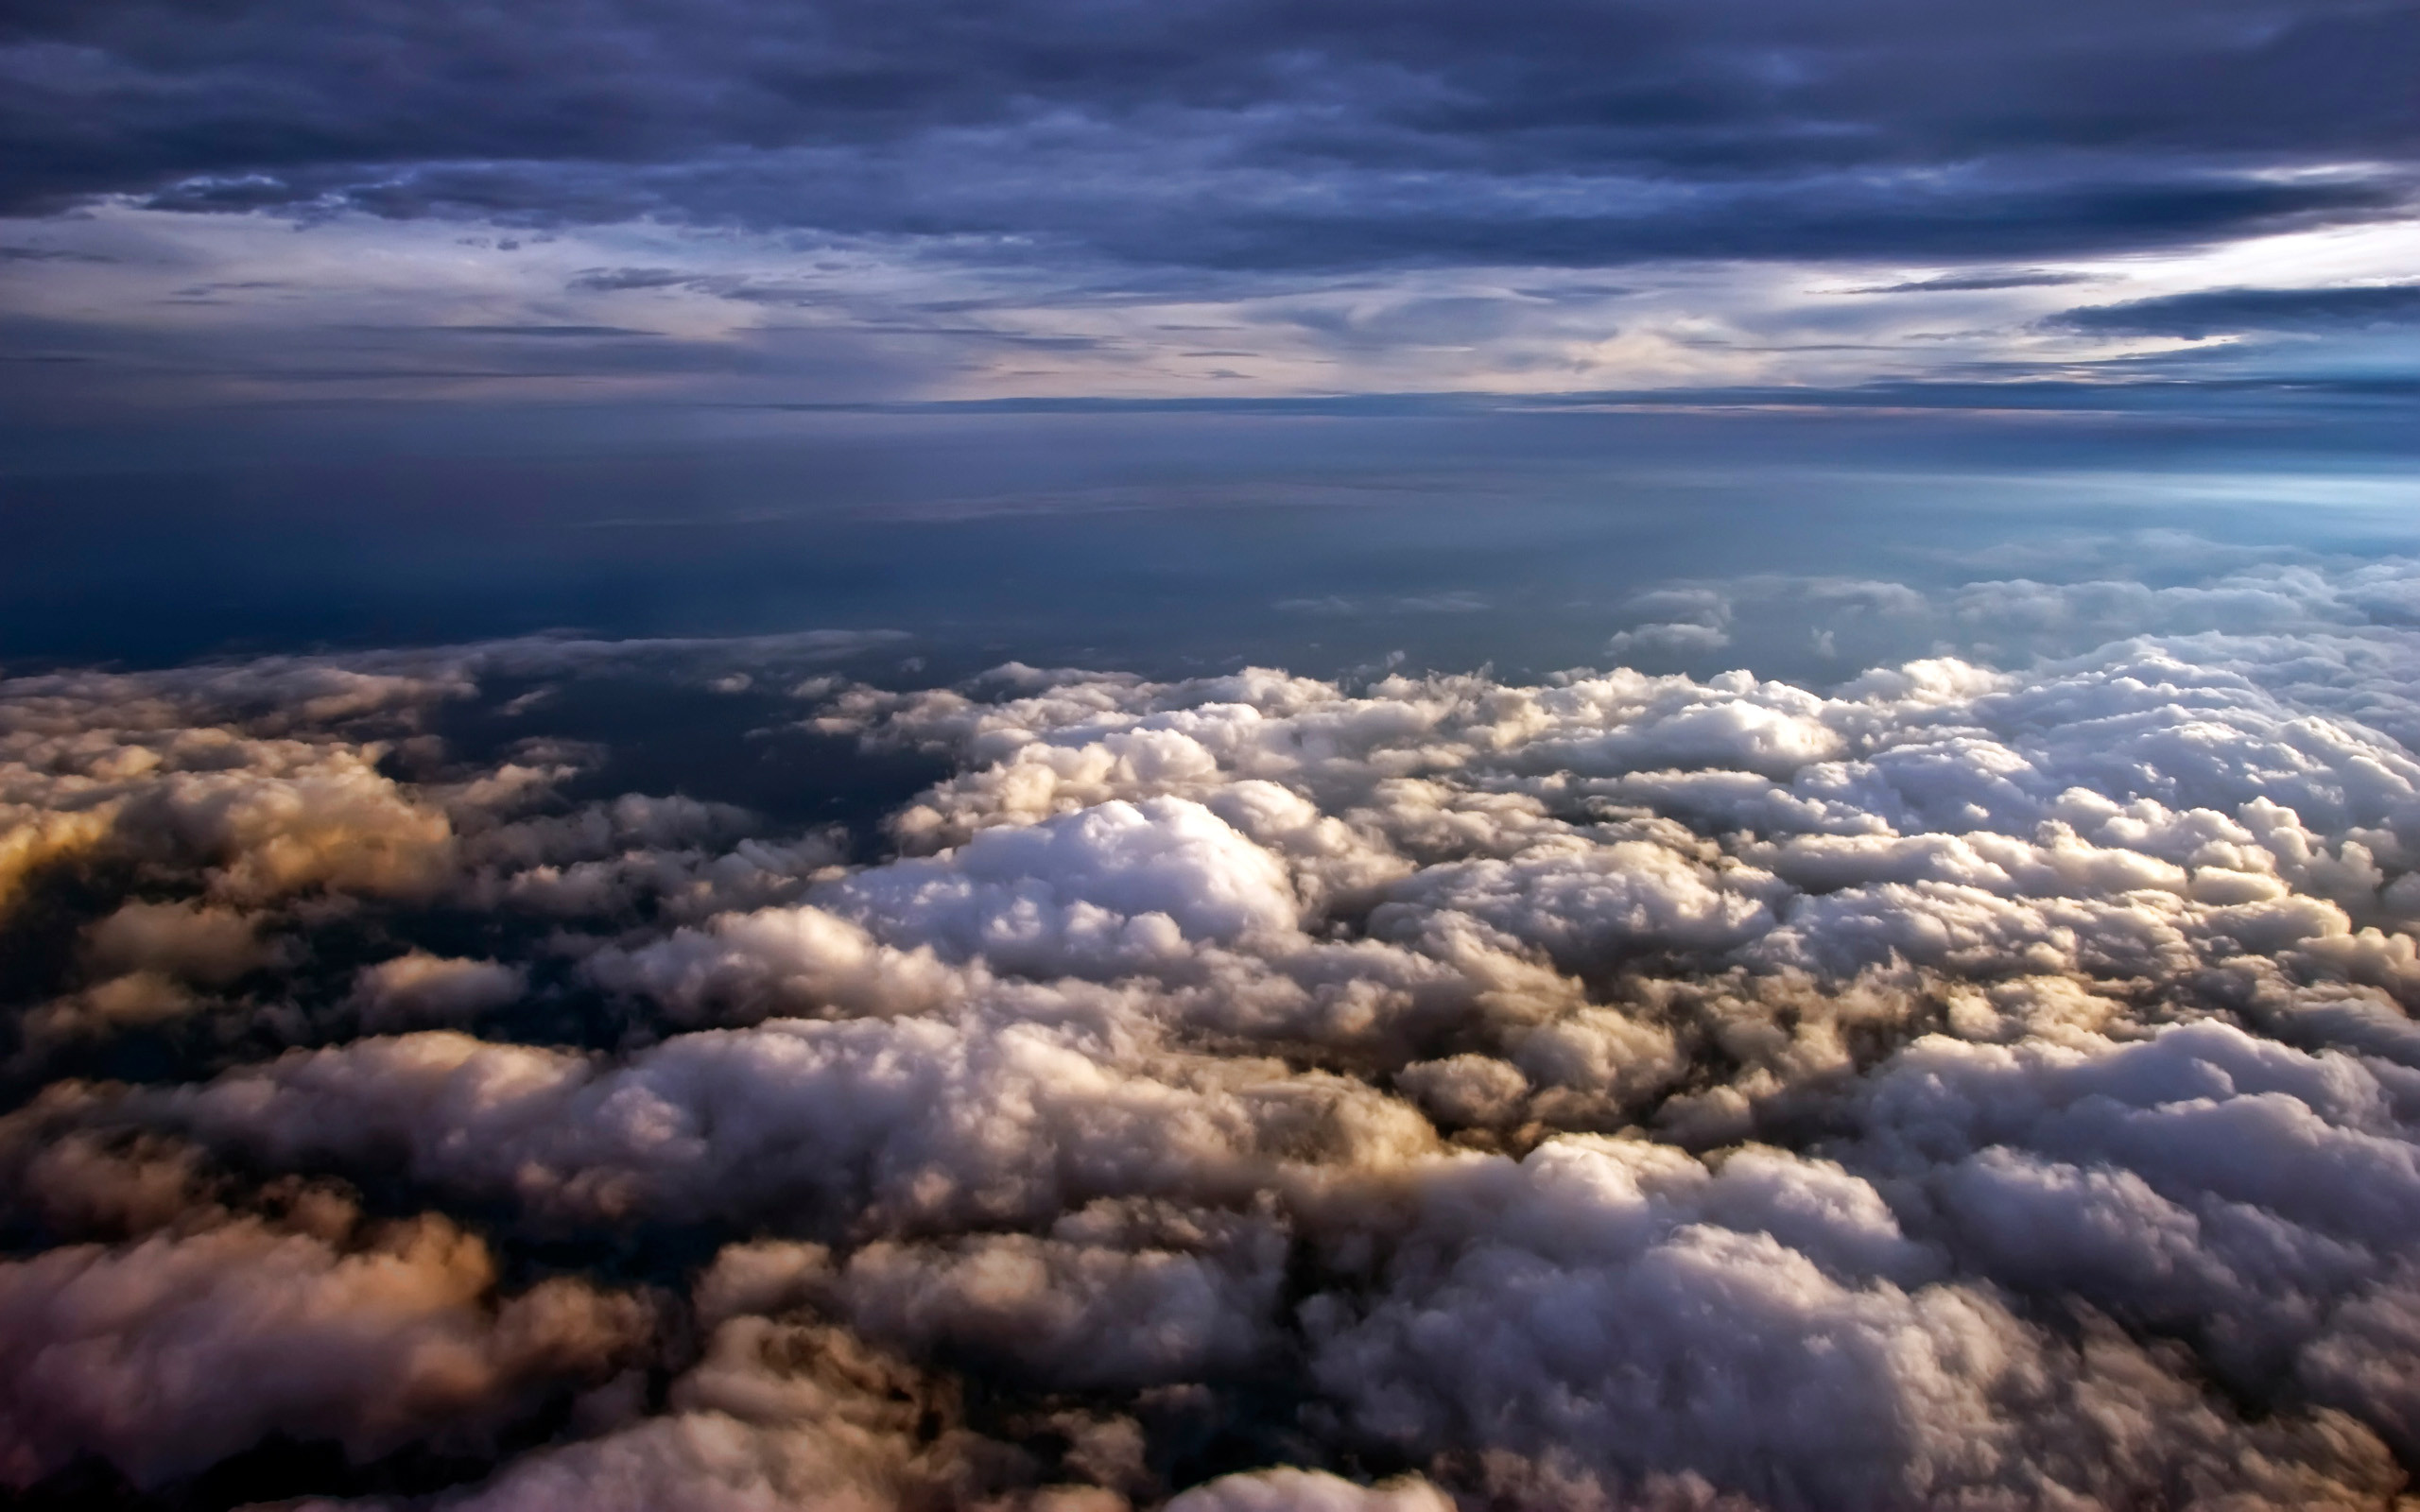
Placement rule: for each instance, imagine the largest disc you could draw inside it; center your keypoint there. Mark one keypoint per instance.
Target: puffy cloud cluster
(1953, 1088)
(168, 1354)
(233, 774)
(235, 813)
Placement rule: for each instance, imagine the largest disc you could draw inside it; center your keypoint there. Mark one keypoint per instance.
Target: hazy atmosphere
(1079, 757)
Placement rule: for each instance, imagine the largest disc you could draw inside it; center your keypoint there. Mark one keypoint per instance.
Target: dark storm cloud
(1246, 133)
(2218, 312)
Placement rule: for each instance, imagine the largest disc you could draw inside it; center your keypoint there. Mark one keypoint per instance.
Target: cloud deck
(1954, 1087)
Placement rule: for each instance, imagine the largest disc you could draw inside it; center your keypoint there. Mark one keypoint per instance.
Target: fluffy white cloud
(1957, 1086)
(1117, 883)
(1019, 1108)
(1622, 1311)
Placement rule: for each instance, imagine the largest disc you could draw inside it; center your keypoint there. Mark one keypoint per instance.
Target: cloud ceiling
(951, 200)
(1956, 1087)
(1451, 132)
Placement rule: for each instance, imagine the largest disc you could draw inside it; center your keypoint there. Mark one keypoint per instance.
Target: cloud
(169, 1354)
(1242, 135)
(419, 987)
(1118, 880)
(1958, 1083)
(198, 943)
(47, 255)
(737, 206)
(2225, 312)
(1698, 624)
(1339, 608)
(1975, 282)
(1547, 1303)
(777, 1413)
(1669, 637)
(1292, 1490)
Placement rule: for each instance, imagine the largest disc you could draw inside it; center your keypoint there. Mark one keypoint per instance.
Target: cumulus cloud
(1293, 1490)
(197, 942)
(169, 1355)
(1961, 1085)
(1618, 1310)
(421, 988)
(1670, 637)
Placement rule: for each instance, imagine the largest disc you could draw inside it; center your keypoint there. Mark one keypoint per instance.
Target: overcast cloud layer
(1948, 1087)
(930, 199)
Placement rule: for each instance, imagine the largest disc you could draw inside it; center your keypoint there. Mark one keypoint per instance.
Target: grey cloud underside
(1955, 1087)
(1244, 135)
(2220, 312)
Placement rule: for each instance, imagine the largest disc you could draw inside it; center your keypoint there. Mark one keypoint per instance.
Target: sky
(363, 205)
(1072, 756)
